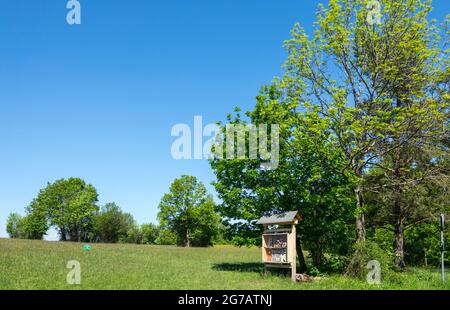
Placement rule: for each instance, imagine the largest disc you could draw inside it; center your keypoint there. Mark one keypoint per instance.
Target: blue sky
(98, 100)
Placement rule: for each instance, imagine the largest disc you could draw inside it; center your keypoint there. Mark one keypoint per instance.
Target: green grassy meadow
(26, 264)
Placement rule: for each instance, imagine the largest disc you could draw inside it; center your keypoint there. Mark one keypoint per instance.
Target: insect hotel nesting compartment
(279, 244)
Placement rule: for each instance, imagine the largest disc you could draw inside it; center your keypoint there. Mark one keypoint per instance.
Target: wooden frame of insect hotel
(279, 241)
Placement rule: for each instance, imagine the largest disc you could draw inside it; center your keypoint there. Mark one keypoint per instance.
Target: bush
(150, 233)
(245, 241)
(112, 225)
(166, 237)
(424, 241)
(334, 263)
(133, 235)
(365, 251)
(384, 237)
(314, 271)
(15, 226)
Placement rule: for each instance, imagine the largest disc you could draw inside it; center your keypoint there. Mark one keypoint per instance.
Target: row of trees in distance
(186, 216)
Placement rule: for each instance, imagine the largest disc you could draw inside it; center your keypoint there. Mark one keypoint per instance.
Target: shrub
(166, 237)
(334, 263)
(112, 225)
(133, 235)
(245, 241)
(423, 241)
(15, 226)
(150, 233)
(384, 237)
(365, 251)
(313, 271)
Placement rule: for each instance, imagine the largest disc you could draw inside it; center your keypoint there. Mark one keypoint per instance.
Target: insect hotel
(279, 241)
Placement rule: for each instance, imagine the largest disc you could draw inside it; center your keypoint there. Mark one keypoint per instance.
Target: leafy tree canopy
(188, 210)
(69, 205)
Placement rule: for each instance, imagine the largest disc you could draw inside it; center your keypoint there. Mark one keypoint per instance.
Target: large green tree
(310, 178)
(411, 151)
(372, 78)
(188, 210)
(378, 89)
(416, 194)
(69, 205)
(389, 99)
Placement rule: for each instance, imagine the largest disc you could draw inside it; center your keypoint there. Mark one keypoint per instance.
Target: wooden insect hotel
(279, 241)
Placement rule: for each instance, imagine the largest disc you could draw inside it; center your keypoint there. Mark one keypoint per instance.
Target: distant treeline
(186, 215)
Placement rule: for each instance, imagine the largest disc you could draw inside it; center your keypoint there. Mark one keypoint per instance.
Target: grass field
(26, 264)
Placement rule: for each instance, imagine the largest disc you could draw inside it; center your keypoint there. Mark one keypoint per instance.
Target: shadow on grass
(241, 267)
(248, 267)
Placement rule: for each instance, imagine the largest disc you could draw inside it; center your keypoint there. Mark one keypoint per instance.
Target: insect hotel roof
(285, 218)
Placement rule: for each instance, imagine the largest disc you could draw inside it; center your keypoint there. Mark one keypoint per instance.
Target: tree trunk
(317, 257)
(62, 233)
(399, 237)
(301, 257)
(78, 233)
(397, 212)
(360, 222)
(187, 242)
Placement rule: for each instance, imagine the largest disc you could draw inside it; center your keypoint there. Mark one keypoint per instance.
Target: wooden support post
(293, 254)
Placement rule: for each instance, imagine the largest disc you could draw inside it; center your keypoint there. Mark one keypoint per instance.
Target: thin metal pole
(443, 270)
(442, 222)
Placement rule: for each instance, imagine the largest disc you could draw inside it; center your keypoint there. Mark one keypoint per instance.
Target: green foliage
(310, 177)
(111, 224)
(335, 263)
(423, 242)
(133, 235)
(132, 232)
(35, 222)
(356, 102)
(150, 233)
(188, 211)
(207, 227)
(222, 237)
(384, 88)
(314, 271)
(240, 241)
(70, 205)
(365, 251)
(384, 237)
(15, 226)
(166, 237)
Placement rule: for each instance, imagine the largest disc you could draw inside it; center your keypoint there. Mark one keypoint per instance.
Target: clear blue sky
(98, 100)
